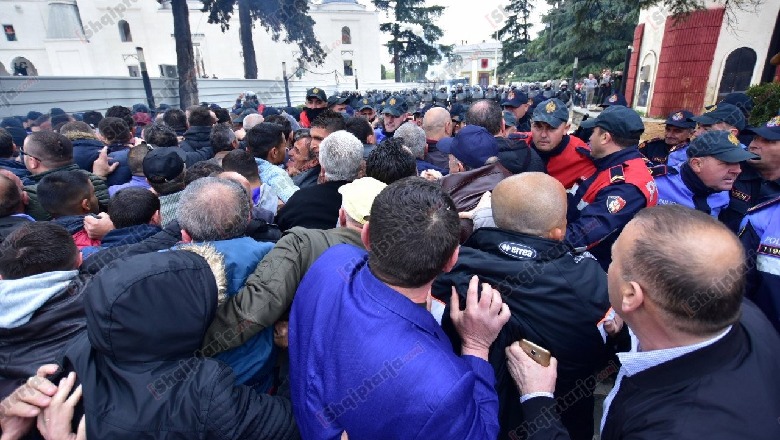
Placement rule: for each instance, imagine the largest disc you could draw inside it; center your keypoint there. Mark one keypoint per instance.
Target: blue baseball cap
(681, 119)
(728, 113)
(770, 131)
(721, 145)
(618, 120)
(473, 146)
(365, 103)
(741, 100)
(614, 99)
(394, 106)
(552, 111)
(509, 118)
(515, 98)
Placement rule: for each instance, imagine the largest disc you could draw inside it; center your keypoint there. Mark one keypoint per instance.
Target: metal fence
(19, 94)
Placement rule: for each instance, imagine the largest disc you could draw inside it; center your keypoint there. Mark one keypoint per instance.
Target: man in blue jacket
(367, 357)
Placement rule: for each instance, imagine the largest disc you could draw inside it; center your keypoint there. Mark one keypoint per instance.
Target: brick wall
(634, 64)
(685, 62)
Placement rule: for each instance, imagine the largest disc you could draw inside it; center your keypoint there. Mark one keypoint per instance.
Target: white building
(99, 37)
(477, 63)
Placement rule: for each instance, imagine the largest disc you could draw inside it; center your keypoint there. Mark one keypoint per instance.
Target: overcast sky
(471, 21)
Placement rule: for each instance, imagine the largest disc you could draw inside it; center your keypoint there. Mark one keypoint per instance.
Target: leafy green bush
(767, 102)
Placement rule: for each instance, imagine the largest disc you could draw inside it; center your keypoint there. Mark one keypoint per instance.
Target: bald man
(703, 363)
(556, 299)
(14, 201)
(437, 124)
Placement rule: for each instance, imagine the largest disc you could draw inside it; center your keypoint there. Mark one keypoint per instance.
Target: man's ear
(185, 237)
(156, 219)
(557, 234)
(342, 218)
(452, 260)
(632, 297)
(695, 164)
(364, 237)
(79, 260)
(86, 206)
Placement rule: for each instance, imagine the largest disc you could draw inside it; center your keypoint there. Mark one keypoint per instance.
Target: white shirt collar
(636, 361)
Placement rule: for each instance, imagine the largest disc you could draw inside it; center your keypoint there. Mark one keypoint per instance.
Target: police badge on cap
(774, 122)
(550, 107)
(613, 98)
(678, 116)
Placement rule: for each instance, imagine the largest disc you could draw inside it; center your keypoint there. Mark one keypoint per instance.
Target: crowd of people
(370, 266)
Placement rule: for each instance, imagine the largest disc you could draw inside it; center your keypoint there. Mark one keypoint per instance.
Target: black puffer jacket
(518, 157)
(142, 372)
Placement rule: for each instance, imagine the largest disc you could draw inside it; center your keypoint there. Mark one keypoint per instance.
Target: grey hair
(413, 137)
(213, 208)
(252, 120)
(341, 156)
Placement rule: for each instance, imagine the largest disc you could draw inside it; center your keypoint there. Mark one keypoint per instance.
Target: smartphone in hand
(537, 353)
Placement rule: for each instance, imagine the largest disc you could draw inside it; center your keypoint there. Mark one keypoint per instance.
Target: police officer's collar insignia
(550, 107)
(517, 250)
(615, 204)
(315, 90)
(733, 139)
(392, 101)
(677, 116)
(613, 98)
(774, 122)
(510, 96)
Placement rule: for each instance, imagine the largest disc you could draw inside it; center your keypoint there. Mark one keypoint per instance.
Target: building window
(347, 67)
(124, 32)
(64, 20)
(134, 71)
(23, 67)
(346, 35)
(738, 71)
(10, 34)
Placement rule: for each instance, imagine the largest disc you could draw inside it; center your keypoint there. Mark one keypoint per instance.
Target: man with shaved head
(437, 124)
(556, 299)
(703, 362)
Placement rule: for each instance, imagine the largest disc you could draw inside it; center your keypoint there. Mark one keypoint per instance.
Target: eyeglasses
(27, 154)
(300, 134)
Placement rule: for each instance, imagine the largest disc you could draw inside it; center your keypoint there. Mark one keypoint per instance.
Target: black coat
(518, 157)
(142, 372)
(315, 207)
(196, 138)
(556, 300)
(9, 224)
(726, 391)
(25, 348)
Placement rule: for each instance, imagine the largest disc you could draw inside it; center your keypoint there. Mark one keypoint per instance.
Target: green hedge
(767, 102)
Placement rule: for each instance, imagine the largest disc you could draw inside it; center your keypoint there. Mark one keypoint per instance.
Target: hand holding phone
(537, 353)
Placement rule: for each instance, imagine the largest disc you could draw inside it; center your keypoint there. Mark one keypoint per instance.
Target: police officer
(491, 93)
(366, 110)
(601, 205)
(677, 134)
(338, 103)
(394, 114)
(441, 97)
(517, 103)
(704, 181)
(725, 117)
(566, 157)
(564, 94)
(760, 179)
(745, 104)
(548, 91)
(316, 103)
(614, 99)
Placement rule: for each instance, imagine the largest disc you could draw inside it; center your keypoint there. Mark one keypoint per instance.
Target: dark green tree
(185, 58)
(412, 51)
(288, 17)
(514, 35)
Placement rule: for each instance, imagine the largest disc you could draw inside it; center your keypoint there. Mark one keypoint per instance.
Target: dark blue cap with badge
(365, 103)
(721, 145)
(394, 106)
(770, 131)
(317, 93)
(552, 111)
(614, 99)
(515, 98)
(337, 100)
(619, 121)
(728, 113)
(681, 119)
(741, 100)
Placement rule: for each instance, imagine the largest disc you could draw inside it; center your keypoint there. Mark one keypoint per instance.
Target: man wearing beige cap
(269, 291)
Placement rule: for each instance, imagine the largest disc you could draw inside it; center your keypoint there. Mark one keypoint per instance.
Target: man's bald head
(530, 203)
(689, 265)
(238, 178)
(435, 123)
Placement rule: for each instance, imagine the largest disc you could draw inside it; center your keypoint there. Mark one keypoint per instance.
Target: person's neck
(660, 337)
(418, 295)
(436, 137)
(770, 175)
(608, 150)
